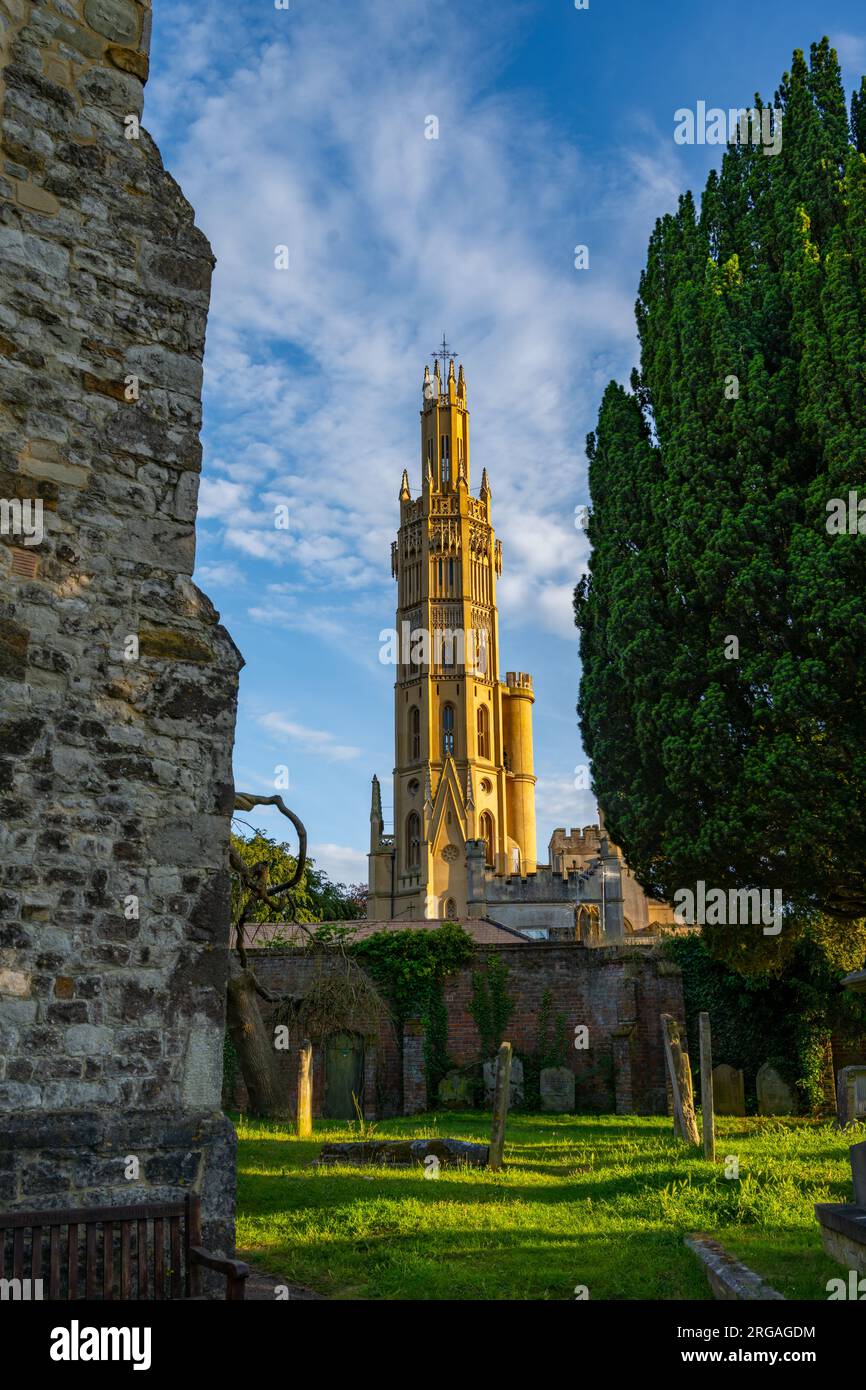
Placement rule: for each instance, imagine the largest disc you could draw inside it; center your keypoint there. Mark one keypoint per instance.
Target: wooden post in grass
(500, 1105)
(707, 1120)
(305, 1090)
(685, 1124)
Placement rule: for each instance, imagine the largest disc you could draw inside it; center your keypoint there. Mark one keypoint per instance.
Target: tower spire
(376, 822)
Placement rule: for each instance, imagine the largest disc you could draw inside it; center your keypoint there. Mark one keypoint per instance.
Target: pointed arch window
(488, 836)
(414, 734)
(446, 460)
(483, 728)
(447, 730)
(413, 840)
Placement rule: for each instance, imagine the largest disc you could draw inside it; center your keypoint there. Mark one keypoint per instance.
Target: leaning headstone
(515, 1096)
(456, 1091)
(851, 1095)
(679, 1074)
(556, 1085)
(775, 1096)
(729, 1092)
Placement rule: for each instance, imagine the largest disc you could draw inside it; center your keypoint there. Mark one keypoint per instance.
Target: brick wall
(617, 992)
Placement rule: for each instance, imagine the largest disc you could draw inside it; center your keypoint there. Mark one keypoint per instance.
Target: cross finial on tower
(445, 353)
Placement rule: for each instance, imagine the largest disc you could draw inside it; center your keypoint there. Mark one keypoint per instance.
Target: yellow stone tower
(463, 738)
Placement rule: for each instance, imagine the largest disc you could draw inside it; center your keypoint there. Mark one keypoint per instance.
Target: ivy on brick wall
(785, 1019)
(551, 1050)
(492, 1005)
(410, 968)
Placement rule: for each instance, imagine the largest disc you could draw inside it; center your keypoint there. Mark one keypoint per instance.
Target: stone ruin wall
(115, 768)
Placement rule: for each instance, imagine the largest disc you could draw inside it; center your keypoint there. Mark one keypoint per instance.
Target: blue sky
(305, 128)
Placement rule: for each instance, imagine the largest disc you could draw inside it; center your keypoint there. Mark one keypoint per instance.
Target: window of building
(413, 840)
(487, 835)
(446, 459)
(450, 910)
(447, 730)
(483, 726)
(414, 734)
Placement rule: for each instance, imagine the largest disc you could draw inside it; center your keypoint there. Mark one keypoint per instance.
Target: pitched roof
(482, 930)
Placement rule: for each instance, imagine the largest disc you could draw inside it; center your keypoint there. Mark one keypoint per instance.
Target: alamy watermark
(22, 517)
(736, 907)
(414, 646)
(736, 126)
(846, 518)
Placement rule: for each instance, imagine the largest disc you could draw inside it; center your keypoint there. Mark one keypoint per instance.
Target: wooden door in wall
(344, 1074)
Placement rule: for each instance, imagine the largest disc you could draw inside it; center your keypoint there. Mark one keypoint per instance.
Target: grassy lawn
(601, 1201)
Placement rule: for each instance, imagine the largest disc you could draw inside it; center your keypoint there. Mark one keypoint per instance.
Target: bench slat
(142, 1259)
(83, 1216)
(36, 1254)
(108, 1260)
(90, 1264)
(125, 1259)
(158, 1259)
(192, 1237)
(72, 1259)
(174, 1228)
(54, 1262)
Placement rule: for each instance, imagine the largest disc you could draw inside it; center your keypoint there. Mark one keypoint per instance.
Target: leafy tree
(314, 899)
(710, 483)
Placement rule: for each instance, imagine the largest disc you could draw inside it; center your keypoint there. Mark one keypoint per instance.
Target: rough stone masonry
(117, 684)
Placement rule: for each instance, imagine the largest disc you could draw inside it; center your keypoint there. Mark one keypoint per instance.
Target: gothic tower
(463, 738)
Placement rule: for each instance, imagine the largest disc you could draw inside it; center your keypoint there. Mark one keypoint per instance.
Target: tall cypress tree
(710, 482)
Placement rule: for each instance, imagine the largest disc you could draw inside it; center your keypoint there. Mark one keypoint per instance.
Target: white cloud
(313, 374)
(221, 574)
(851, 49)
(558, 801)
(319, 741)
(341, 864)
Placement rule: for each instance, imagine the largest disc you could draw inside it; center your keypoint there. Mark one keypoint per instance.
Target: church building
(463, 738)
(463, 844)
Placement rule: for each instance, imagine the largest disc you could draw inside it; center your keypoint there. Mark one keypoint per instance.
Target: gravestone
(556, 1085)
(456, 1091)
(851, 1094)
(515, 1090)
(775, 1096)
(729, 1097)
(680, 1077)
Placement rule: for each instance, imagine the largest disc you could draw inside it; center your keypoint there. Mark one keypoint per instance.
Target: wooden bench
(152, 1251)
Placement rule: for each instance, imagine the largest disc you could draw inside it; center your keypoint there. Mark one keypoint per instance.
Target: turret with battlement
(463, 766)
